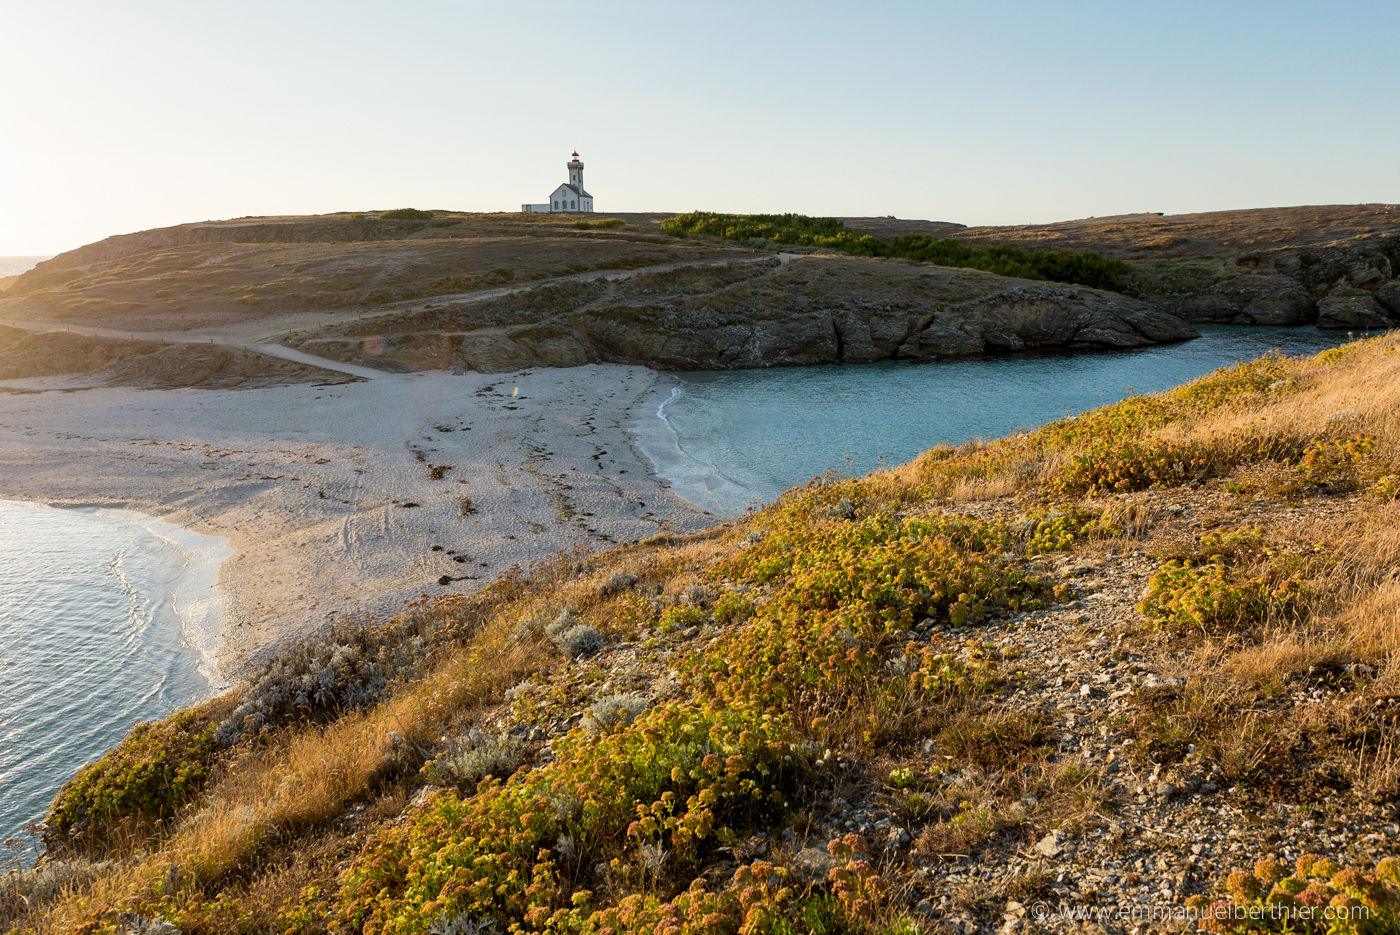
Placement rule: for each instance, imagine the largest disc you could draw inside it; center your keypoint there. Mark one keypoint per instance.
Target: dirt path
(262, 337)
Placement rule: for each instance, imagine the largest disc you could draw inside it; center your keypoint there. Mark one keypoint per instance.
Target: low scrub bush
(155, 770)
(1112, 449)
(406, 214)
(619, 582)
(474, 758)
(1122, 465)
(1334, 460)
(1083, 267)
(349, 667)
(1236, 578)
(573, 638)
(1317, 895)
(1056, 528)
(684, 776)
(612, 712)
(680, 617)
(733, 607)
(600, 224)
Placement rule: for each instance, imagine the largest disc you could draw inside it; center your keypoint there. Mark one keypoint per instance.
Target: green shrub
(156, 769)
(732, 607)
(1111, 448)
(1236, 578)
(1127, 464)
(1055, 528)
(677, 776)
(1328, 460)
(680, 617)
(406, 214)
(1075, 266)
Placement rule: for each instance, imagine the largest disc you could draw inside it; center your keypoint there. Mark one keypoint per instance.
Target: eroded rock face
(1248, 300)
(1364, 265)
(1350, 307)
(1389, 296)
(1043, 316)
(815, 310)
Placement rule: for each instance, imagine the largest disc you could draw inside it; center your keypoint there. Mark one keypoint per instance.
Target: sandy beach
(355, 497)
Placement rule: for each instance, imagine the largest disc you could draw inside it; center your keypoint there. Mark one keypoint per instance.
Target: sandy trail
(334, 496)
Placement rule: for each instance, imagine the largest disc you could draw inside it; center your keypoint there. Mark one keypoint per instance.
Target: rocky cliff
(1333, 265)
(811, 310)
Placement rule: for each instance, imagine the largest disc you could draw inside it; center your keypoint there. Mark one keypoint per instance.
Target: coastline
(107, 618)
(699, 483)
(331, 498)
(195, 596)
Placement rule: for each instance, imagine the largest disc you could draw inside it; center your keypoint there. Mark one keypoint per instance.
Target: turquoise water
(725, 440)
(107, 618)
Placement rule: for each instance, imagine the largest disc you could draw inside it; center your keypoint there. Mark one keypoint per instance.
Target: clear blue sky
(118, 116)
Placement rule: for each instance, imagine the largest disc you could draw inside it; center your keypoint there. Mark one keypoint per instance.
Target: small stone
(812, 864)
(1050, 844)
(1166, 790)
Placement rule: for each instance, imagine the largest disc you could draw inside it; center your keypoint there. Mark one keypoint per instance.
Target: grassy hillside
(78, 360)
(1026, 671)
(1080, 267)
(1216, 254)
(252, 270)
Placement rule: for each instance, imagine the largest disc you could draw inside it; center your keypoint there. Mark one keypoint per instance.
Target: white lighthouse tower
(571, 196)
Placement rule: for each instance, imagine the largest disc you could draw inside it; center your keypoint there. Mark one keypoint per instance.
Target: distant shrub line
(406, 214)
(603, 224)
(1082, 267)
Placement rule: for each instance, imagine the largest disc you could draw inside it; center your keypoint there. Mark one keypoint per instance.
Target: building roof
(575, 189)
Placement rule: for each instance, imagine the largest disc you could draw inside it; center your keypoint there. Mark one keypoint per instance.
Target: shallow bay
(723, 440)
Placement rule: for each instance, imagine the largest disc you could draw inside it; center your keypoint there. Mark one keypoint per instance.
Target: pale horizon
(153, 114)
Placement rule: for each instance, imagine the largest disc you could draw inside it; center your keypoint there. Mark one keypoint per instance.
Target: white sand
(310, 484)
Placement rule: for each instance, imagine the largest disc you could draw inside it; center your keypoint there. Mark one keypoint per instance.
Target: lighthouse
(571, 196)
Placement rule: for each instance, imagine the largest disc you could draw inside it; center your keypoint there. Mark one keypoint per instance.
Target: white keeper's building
(567, 197)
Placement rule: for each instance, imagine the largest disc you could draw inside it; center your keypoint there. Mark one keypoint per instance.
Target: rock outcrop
(814, 310)
(1350, 307)
(1389, 296)
(1249, 299)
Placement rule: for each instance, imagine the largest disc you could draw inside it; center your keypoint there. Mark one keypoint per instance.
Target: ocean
(14, 265)
(107, 618)
(724, 440)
